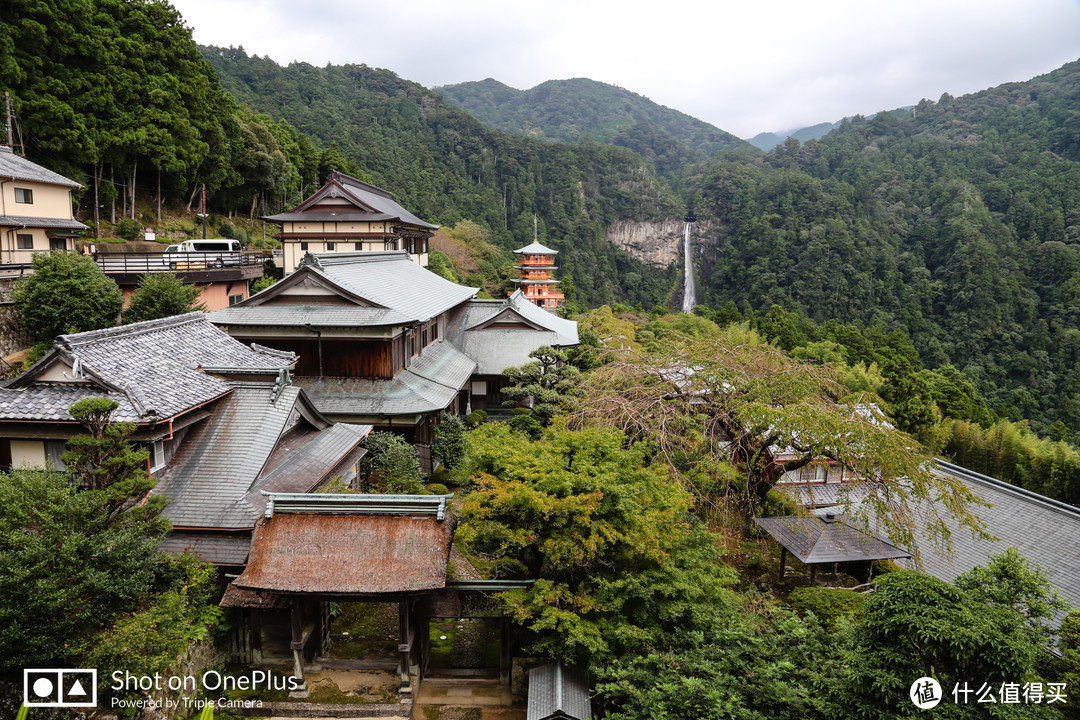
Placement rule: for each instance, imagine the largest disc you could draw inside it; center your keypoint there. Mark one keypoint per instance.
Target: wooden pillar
(783, 558)
(297, 643)
(813, 574)
(404, 648)
(506, 655)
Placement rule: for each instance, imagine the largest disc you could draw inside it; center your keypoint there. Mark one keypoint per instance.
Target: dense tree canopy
(66, 293)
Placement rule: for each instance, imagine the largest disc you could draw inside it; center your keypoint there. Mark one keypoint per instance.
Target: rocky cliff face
(656, 243)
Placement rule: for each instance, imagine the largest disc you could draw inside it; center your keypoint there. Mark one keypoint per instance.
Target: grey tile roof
(217, 548)
(1044, 531)
(380, 200)
(558, 692)
(304, 315)
(496, 349)
(40, 222)
(214, 479)
(220, 459)
(567, 329)
(311, 463)
(150, 368)
(392, 280)
(815, 540)
(380, 204)
(13, 166)
(828, 494)
(428, 385)
(536, 249)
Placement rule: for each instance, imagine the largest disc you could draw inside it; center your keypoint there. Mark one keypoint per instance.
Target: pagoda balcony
(537, 260)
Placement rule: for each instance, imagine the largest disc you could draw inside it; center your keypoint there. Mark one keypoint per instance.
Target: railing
(141, 263)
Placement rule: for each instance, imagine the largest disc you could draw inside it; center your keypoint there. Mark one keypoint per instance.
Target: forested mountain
(960, 225)
(957, 224)
(116, 95)
(445, 166)
(569, 110)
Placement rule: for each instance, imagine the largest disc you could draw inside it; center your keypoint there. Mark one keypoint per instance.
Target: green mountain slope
(446, 166)
(960, 225)
(570, 110)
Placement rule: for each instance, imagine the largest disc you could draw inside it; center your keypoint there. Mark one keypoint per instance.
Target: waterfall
(689, 298)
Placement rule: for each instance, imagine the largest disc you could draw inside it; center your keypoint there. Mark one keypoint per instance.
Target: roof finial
(535, 236)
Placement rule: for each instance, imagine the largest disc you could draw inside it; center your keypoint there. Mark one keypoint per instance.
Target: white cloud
(746, 67)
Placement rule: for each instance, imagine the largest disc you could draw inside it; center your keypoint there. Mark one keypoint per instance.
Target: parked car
(214, 253)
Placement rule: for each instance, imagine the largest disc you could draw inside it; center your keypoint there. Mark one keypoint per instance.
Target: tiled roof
(567, 329)
(558, 693)
(815, 540)
(304, 315)
(430, 384)
(214, 478)
(381, 204)
(380, 200)
(217, 548)
(1044, 531)
(536, 249)
(40, 222)
(19, 168)
(392, 280)
(823, 495)
(496, 349)
(150, 368)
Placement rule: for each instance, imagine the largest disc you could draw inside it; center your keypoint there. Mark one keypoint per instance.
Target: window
(24, 241)
(54, 452)
(434, 331)
(358, 246)
(24, 196)
(57, 244)
(303, 246)
(390, 245)
(330, 246)
(233, 299)
(157, 455)
(424, 338)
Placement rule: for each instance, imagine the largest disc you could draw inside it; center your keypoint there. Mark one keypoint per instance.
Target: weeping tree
(723, 410)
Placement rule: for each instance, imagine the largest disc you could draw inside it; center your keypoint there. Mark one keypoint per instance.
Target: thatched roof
(348, 554)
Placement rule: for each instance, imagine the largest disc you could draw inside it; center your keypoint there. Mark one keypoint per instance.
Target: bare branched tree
(749, 407)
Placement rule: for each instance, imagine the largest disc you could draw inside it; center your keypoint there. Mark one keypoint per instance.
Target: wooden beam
(783, 558)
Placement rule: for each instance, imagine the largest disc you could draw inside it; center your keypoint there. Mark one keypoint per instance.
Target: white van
(217, 253)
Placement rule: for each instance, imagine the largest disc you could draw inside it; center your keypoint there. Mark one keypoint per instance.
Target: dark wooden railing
(140, 263)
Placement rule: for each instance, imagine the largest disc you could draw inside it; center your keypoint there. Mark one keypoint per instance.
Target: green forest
(923, 262)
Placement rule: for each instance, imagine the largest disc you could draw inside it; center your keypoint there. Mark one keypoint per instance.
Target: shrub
(129, 229)
(527, 425)
(475, 419)
(438, 489)
(828, 604)
(391, 465)
(448, 446)
(68, 292)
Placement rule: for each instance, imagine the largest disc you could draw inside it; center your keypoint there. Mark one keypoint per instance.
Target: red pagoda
(535, 262)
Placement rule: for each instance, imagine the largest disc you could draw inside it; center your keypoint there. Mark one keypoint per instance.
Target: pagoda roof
(536, 249)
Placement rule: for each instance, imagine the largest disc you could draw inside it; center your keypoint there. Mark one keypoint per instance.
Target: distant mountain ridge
(768, 140)
(579, 108)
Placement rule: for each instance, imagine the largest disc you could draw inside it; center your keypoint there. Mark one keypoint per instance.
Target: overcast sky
(758, 65)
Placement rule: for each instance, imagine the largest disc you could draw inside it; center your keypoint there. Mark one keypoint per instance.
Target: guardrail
(140, 263)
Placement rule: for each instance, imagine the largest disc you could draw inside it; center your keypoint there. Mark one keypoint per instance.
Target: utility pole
(203, 213)
(7, 104)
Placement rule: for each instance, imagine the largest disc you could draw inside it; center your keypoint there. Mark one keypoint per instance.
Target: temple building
(536, 263)
(350, 215)
(384, 342)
